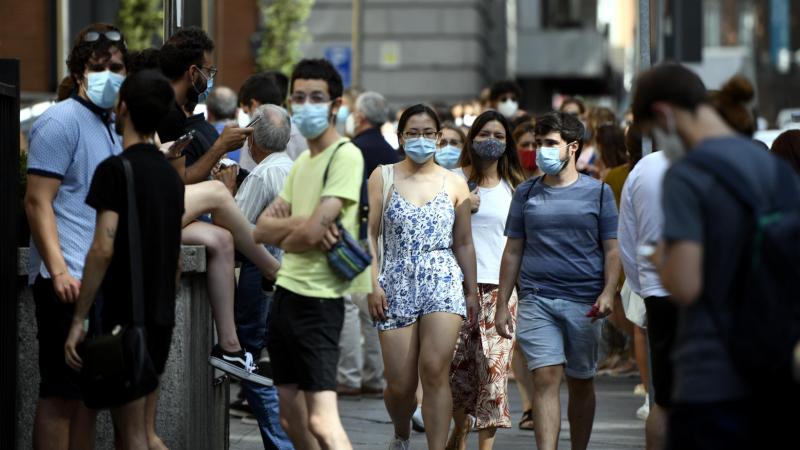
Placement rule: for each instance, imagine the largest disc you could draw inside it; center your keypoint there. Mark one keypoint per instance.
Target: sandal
(526, 422)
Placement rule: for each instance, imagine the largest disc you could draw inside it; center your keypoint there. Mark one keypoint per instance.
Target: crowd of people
(481, 243)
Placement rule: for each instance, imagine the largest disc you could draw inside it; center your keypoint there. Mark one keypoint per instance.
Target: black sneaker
(238, 364)
(240, 408)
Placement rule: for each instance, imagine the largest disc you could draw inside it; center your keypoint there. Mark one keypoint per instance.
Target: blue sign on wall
(340, 56)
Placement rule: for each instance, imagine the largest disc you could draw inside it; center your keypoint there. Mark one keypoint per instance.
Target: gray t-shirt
(563, 228)
(698, 209)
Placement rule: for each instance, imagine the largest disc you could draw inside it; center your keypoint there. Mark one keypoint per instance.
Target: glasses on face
(212, 71)
(94, 36)
(316, 98)
(453, 142)
(427, 134)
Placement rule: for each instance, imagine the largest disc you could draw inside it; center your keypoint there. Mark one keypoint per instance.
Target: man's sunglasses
(94, 36)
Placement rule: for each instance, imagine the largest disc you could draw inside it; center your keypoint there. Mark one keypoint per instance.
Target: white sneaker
(416, 421)
(644, 410)
(399, 444)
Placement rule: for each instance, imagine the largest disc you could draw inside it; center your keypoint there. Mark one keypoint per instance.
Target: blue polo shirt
(67, 143)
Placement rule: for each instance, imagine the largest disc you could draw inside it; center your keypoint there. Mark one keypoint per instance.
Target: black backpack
(765, 297)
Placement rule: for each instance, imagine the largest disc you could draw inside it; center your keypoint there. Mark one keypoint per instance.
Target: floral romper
(420, 274)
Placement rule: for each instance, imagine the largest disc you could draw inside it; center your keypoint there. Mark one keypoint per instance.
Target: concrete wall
(192, 406)
(446, 50)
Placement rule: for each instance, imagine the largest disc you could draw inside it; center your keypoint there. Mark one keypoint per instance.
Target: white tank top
(488, 229)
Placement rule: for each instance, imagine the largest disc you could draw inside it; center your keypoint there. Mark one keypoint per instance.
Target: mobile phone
(254, 121)
(593, 312)
(472, 185)
(186, 137)
(227, 162)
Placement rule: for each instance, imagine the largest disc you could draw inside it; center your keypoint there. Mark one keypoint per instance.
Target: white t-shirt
(488, 229)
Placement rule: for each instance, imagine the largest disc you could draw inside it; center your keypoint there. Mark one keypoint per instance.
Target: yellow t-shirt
(308, 273)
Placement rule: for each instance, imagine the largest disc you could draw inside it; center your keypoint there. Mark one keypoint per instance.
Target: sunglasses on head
(94, 36)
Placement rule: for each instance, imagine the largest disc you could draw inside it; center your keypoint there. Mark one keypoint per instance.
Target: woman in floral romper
(479, 373)
(426, 285)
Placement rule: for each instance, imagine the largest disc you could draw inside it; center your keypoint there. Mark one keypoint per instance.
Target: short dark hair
(148, 58)
(671, 83)
(611, 144)
(575, 101)
(281, 81)
(260, 87)
(82, 51)
(499, 88)
(633, 144)
(319, 69)
(183, 50)
(568, 126)
(148, 96)
(787, 147)
(412, 111)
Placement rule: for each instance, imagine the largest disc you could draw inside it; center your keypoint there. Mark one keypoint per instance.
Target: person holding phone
(479, 373)
(426, 283)
(562, 251)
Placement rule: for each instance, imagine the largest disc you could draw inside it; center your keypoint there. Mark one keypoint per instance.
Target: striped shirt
(563, 229)
(262, 186)
(67, 143)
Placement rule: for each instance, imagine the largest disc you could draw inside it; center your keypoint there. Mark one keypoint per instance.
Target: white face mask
(508, 108)
(670, 141)
(350, 125)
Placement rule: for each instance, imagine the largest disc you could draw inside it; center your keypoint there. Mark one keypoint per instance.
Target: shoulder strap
(530, 188)
(134, 243)
(328, 167)
(728, 175)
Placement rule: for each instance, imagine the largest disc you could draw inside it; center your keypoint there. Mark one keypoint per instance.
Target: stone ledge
(194, 259)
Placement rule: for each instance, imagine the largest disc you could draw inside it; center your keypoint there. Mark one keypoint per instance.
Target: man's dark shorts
(303, 340)
(662, 321)
(159, 339)
(53, 322)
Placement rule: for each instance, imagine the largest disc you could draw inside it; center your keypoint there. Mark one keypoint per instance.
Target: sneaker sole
(238, 372)
(238, 413)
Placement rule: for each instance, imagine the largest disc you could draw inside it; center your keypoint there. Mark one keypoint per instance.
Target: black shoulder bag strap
(135, 247)
(363, 206)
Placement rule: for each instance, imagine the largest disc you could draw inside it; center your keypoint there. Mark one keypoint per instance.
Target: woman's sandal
(526, 422)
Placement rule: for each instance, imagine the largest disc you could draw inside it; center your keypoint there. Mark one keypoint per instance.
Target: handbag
(349, 257)
(117, 368)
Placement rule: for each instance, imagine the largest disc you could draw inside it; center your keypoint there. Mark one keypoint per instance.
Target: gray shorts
(552, 332)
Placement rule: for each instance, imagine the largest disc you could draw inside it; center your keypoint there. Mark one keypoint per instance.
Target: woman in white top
(479, 372)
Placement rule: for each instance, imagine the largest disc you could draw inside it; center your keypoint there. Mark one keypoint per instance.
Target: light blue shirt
(68, 142)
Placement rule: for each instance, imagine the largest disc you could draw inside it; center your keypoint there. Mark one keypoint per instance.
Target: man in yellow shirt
(308, 309)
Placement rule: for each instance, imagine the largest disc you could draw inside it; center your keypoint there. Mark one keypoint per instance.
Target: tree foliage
(140, 21)
(284, 31)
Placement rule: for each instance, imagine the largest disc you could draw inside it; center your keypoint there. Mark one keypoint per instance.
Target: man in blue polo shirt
(67, 143)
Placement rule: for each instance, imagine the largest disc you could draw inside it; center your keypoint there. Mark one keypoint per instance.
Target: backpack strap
(363, 202)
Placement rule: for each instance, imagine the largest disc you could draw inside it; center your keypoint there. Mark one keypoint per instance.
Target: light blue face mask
(341, 115)
(548, 159)
(311, 119)
(102, 88)
(447, 156)
(201, 98)
(420, 150)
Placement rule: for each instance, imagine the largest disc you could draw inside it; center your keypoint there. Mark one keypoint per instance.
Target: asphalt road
(369, 427)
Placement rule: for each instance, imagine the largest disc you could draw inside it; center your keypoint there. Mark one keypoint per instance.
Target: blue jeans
(251, 310)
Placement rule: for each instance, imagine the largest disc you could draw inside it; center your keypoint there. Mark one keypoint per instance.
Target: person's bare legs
(400, 350)
(153, 441)
(219, 248)
(486, 438)
(294, 417)
(213, 197)
(547, 406)
(460, 432)
(438, 333)
(129, 421)
(580, 411)
(324, 422)
(655, 428)
(522, 376)
(640, 352)
(63, 424)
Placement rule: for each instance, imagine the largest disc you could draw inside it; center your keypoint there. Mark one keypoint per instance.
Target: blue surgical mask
(420, 150)
(102, 88)
(447, 156)
(548, 159)
(204, 95)
(311, 119)
(341, 115)
(489, 149)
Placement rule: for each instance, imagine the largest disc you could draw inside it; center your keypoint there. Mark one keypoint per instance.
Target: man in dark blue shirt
(362, 372)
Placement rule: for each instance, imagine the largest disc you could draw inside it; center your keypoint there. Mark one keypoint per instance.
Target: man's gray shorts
(552, 332)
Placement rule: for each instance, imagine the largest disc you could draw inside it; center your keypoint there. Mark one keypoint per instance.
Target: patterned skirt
(482, 360)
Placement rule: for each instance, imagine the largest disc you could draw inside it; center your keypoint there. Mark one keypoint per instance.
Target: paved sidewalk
(369, 427)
